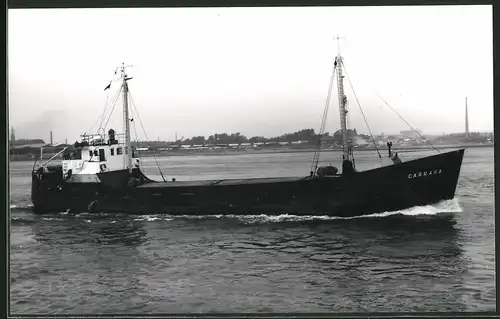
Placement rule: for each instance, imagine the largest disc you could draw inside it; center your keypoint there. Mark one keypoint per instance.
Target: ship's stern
(37, 190)
(46, 187)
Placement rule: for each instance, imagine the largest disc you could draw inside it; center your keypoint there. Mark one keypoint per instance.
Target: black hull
(419, 182)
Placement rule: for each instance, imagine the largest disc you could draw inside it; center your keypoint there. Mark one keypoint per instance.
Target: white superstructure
(95, 154)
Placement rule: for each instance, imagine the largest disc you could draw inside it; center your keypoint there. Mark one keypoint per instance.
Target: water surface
(433, 258)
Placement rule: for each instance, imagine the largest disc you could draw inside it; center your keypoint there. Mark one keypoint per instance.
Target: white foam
(449, 206)
(21, 206)
(149, 218)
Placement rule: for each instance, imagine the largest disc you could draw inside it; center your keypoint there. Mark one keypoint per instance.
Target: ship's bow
(429, 180)
(436, 176)
(420, 182)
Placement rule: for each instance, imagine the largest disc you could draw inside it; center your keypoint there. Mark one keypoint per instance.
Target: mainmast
(127, 159)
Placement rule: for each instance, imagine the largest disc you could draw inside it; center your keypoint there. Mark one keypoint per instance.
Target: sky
(257, 71)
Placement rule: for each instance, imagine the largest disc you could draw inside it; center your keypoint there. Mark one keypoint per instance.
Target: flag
(107, 87)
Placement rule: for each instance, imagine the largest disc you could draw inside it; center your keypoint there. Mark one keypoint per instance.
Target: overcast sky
(258, 71)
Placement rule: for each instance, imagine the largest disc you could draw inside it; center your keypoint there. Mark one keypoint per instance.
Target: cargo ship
(105, 175)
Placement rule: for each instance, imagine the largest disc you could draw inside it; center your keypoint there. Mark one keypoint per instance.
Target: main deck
(224, 182)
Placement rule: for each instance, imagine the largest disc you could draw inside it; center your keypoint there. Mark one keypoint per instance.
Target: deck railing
(100, 139)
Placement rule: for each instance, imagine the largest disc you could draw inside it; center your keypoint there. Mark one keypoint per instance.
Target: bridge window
(77, 155)
(119, 151)
(112, 151)
(90, 154)
(95, 153)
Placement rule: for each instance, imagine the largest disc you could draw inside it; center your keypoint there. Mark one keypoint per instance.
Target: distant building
(34, 145)
(20, 143)
(410, 133)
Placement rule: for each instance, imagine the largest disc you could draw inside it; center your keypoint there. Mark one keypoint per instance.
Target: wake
(448, 206)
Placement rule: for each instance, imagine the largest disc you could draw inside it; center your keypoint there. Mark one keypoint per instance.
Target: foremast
(347, 160)
(342, 107)
(127, 159)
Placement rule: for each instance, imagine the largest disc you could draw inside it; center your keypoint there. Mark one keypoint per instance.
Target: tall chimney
(12, 135)
(466, 119)
(51, 140)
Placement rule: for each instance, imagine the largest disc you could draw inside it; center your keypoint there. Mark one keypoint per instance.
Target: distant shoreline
(305, 150)
(29, 157)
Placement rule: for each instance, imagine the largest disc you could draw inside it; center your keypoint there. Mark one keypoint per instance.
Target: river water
(433, 258)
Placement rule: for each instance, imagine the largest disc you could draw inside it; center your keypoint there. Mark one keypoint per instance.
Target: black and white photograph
(251, 160)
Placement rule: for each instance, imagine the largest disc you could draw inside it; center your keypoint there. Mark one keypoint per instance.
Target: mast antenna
(338, 37)
(122, 69)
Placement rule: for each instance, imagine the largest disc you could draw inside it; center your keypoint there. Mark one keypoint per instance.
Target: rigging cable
(409, 124)
(115, 99)
(104, 112)
(112, 109)
(361, 109)
(145, 134)
(315, 162)
(102, 115)
(136, 136)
